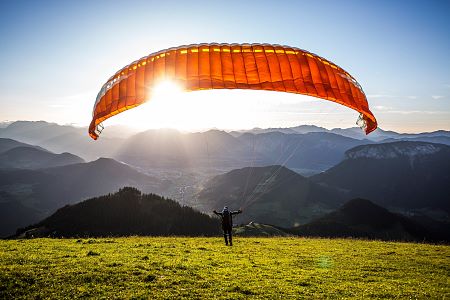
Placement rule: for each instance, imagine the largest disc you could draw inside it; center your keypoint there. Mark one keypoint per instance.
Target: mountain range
(407, 177)
(257, 170)
(308, 152)
(306, 149)
(23, 156)
(402, 176)
(223, 151)
(172, 149)
(27, 195)
(378, 135)
(61, 138)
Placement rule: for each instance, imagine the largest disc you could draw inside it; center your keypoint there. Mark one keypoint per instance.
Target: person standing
(227, 223)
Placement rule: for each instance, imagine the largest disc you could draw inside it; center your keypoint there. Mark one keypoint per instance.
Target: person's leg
(225, 237)
(230, 233)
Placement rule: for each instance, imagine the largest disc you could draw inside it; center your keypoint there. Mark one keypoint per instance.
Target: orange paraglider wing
(231, 66)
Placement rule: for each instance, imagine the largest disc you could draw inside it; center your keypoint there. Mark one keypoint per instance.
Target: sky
(56, 55)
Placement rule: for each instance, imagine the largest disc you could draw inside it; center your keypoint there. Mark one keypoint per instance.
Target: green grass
(272, 268)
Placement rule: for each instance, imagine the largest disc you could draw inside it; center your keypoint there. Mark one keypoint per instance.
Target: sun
(166, 88)
(169, 106)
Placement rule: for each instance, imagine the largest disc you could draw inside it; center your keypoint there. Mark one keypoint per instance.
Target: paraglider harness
(227, 221)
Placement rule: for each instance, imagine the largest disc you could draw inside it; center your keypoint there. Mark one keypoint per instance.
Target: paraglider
(231, 66)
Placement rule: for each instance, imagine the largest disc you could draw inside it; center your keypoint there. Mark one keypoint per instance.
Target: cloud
(381, 96)
(382, 107)
(388, 96)
(424, 112)
(436, 97)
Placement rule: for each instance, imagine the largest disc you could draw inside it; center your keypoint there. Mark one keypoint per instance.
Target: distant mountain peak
(104, 159)
(394, 150)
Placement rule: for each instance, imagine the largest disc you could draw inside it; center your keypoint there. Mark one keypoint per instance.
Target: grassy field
(272, 268)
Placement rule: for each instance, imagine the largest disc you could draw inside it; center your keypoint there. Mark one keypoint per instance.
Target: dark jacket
(227, 218)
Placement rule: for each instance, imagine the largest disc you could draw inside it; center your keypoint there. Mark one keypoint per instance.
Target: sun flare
(169, 106)
(166, 88)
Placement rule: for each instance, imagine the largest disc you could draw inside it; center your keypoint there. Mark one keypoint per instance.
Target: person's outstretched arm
(217, 213)
(236, 212)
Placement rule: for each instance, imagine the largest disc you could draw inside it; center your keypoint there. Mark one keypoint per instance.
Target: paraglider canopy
(231, 66)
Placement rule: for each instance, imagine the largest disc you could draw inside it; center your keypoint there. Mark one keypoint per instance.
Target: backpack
(226, 218)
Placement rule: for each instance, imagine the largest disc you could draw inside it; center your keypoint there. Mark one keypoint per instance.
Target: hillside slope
(363, 219)
(271, 195)
(13, 214)
(203, 268)
(255, 229)
(125, 213)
